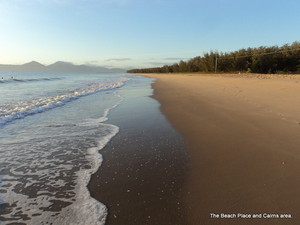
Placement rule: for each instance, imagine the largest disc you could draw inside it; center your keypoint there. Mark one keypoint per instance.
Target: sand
(243, 138)
(144, 166)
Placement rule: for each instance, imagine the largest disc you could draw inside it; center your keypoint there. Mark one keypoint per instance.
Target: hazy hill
(32, 66)
(60, 67)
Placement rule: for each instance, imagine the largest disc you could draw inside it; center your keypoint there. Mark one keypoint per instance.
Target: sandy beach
(242, 135)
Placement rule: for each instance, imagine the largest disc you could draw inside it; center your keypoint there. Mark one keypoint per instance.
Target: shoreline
(143, 170)
(242, 135)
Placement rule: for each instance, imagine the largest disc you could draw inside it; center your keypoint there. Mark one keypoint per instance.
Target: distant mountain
(60, 67)
(33, 66)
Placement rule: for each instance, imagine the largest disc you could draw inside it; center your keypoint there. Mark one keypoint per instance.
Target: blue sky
(140, 33)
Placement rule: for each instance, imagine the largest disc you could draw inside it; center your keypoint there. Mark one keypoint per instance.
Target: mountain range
(60, 67)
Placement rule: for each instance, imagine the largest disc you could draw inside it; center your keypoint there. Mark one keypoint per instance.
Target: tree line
(274, 59)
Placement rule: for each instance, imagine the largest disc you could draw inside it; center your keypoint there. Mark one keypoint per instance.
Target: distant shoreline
(59, 66)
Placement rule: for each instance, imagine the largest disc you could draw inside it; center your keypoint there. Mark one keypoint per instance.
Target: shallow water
(52, 126)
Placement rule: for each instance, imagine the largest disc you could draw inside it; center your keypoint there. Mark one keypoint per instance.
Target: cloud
(175, 59)
(165, 61)
(157, 63)
(118, 59)
(92, 62)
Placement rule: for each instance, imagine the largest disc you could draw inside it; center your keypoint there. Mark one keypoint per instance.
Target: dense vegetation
(284, 59)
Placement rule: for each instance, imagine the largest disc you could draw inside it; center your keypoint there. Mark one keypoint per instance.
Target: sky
(140, 33)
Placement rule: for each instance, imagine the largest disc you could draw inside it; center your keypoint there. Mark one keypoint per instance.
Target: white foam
(86, 210)
(32, 166)
(92, 121)
(85, 206)
(19, 110)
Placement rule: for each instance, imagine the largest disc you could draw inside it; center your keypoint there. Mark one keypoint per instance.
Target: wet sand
(243, 138)
(144, 167)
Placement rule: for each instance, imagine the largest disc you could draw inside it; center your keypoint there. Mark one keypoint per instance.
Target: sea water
(52, 126)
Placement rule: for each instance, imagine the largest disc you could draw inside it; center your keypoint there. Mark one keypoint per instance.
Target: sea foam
(18, 110)
(42, 168)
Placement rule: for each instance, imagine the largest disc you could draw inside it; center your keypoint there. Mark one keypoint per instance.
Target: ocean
(52, 129)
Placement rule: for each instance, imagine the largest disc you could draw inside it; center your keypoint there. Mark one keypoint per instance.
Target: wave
(3, 81)
(19, 110)
(58, 175)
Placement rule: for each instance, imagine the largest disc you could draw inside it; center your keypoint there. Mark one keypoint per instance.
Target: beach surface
(243, 135)
(144, 166)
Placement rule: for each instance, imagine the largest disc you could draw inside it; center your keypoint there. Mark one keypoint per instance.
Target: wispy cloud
(118, 59)
(172, 59)
(165, 61)
(156, 63)
(92, 62)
